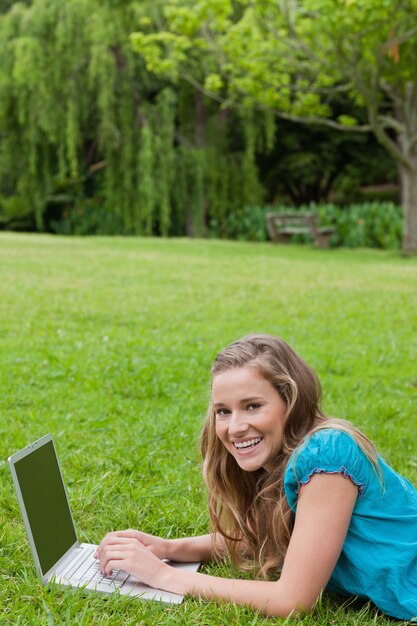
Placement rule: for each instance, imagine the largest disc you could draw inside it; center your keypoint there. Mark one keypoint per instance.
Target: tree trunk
(409, 203)
(405, 113)
(200, 213)
(189, 224)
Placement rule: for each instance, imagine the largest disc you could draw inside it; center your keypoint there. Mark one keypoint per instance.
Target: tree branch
(413, 142)
(390, 122)
(391, 92)
(358, 128)
(210, 94)
(384, 139)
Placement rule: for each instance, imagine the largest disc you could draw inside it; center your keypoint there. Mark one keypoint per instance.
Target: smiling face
(250, 416)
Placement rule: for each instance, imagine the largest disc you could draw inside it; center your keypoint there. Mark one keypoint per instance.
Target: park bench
(282, 226)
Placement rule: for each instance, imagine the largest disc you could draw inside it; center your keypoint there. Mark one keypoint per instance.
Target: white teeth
(247, 444)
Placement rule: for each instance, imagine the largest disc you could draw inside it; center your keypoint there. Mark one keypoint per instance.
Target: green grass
(107, 344)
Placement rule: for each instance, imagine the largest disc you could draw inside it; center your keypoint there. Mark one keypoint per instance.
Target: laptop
(58, 554)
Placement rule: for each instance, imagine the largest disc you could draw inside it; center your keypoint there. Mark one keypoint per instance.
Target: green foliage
(316, 163)
(247, 224)
(288, 56)
(16, 214)
(366, 225)
(296, 57)
(88, 217)
(87, 125)
(81, 117)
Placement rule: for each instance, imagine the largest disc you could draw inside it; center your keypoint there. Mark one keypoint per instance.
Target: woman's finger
(114, 563)
(114, 554)
(111, 541)
(117, 537)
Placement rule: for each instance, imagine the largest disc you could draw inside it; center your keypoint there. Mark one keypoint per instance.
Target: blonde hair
(249, 509)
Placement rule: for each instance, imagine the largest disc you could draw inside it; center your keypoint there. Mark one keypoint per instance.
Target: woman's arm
(324, 511)
(202, 548)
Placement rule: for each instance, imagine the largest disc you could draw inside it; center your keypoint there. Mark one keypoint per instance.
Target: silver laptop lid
(44, 504)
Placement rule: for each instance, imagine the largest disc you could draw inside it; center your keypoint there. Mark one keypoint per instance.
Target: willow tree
(72, 103)
(78, 105)
(294, 57)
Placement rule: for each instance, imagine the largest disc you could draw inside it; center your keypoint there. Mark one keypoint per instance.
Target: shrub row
(369, 225)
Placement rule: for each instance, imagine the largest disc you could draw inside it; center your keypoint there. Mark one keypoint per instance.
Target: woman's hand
(156, 545)
(186, 549)
(134, 552)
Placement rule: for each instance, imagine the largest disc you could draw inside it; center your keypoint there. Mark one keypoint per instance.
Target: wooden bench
(282, 226)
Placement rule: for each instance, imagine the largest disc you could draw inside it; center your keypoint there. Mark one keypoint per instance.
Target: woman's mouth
(244, 447)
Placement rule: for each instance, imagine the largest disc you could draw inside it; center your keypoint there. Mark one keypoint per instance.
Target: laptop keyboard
(86, 569)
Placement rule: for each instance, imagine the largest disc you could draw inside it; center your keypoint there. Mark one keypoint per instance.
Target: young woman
(302, 499)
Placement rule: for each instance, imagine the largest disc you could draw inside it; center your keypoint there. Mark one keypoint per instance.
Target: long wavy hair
(249, 509)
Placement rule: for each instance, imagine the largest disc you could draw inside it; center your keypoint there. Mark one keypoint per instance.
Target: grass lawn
(107, 343)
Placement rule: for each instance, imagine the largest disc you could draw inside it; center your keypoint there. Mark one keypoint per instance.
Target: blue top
(378, 561)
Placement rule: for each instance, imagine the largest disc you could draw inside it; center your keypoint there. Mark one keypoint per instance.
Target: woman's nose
(237, 424)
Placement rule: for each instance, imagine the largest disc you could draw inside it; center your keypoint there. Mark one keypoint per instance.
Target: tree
(295, 57)
(90, 140)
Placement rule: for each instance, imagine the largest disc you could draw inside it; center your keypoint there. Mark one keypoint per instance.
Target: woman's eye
(222, 412)
(253, 406)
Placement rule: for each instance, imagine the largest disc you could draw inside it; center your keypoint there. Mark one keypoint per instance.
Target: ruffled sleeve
(328, 451)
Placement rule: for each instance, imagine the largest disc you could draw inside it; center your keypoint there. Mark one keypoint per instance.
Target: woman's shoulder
(327, 450)
(326, 443)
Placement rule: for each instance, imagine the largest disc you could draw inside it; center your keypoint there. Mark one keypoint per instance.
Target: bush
(248, 224)
(368, 225)
(88, 217)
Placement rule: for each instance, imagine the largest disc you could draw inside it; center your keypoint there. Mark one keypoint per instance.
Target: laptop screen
(46, 504)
